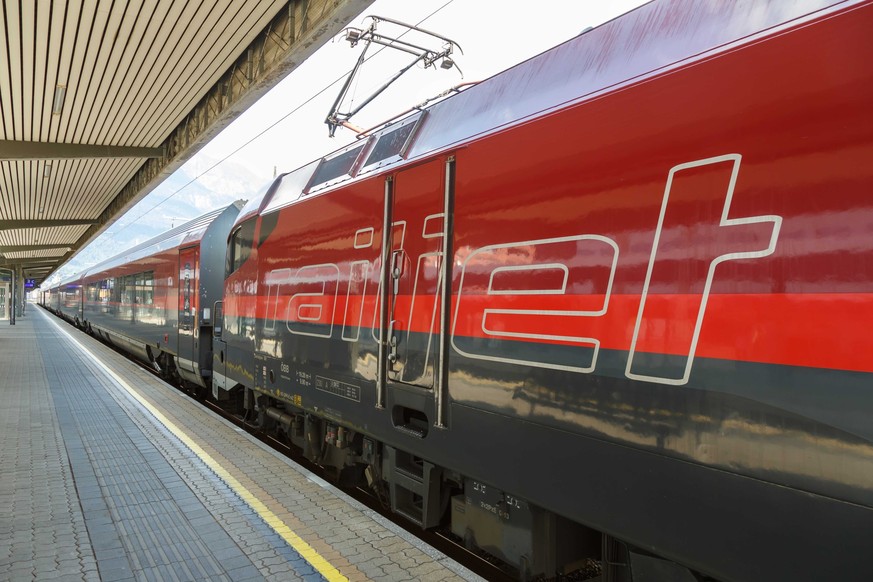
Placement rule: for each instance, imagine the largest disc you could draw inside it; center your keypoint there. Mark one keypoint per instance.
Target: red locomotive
(653, 324)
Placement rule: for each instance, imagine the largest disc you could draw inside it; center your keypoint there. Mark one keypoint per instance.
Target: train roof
(255, 203)
(189, 232)
(647, 42)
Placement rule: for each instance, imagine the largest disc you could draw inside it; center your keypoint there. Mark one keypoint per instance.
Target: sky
(285, 129)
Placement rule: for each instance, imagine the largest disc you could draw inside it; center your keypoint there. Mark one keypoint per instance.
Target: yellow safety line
(308, 553)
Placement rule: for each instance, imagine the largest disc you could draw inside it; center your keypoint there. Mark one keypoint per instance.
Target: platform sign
(29, 283)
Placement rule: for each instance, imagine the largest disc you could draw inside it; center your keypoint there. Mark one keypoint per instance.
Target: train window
(392, 145)
(241, 245)
(91, 292)
(335, 169)
(268, 223)
(145, 288)
(140, 288)
(106, 286)
(117, 289)
(130, 289)
(126, 296)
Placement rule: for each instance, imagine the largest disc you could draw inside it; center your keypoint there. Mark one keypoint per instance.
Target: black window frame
(239, 249)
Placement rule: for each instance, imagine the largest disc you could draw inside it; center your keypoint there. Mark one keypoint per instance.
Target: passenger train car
(648, 344)
(65, 300)
(147, 300)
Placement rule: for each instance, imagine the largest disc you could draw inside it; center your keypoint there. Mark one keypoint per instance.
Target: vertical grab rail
(446, 292)
(382, 373)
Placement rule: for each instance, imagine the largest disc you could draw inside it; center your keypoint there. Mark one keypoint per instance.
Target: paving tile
(20, 571)
(116, 575)
(147, 507)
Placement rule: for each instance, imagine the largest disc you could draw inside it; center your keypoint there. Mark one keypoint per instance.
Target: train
(610, 304)
(145, 300)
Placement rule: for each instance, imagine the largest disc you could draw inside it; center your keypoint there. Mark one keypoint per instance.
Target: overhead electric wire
(262, 132)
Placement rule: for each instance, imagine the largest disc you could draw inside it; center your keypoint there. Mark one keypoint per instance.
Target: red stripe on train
(817, 330)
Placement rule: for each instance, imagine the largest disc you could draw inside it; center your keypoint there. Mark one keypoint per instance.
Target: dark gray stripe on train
(838, 398)
(799, 427)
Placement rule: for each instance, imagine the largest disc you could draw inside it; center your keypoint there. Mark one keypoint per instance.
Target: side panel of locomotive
(657, 297)
(685, 294)
(687, 275)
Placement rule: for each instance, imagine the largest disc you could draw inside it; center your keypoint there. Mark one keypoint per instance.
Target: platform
(110, 474)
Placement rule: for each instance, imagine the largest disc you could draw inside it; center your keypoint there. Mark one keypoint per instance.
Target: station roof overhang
(101, 101)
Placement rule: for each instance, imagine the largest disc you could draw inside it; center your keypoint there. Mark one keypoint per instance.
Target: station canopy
(102, 100)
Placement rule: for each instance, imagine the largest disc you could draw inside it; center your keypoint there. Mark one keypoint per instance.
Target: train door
(188, 274)
(415, 275)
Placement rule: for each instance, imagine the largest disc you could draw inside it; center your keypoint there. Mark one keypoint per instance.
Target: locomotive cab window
(240, 246)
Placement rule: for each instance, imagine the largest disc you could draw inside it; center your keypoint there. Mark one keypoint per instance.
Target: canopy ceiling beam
(33, 150)
(39, 223)
(21, 248)
(40, 261)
